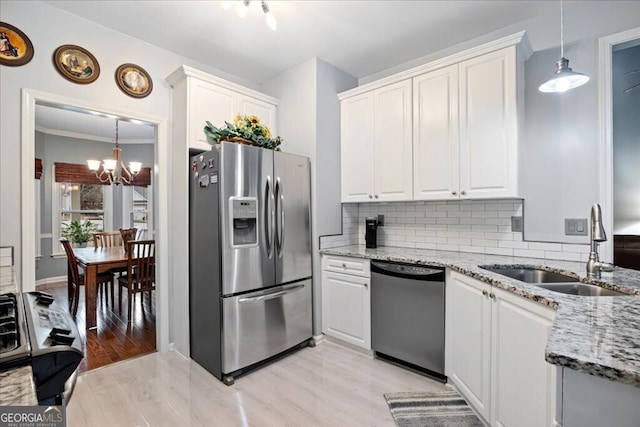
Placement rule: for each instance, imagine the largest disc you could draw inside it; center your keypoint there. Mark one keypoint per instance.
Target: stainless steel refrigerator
(249, 257)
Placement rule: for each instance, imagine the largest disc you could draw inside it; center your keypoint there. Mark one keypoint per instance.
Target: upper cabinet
(464, 122)
(376, 163)
(199, 97)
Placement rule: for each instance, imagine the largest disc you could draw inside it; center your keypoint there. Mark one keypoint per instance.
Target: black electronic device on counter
(371, 232)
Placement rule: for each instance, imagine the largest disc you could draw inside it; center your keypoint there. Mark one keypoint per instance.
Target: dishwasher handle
(415, 272)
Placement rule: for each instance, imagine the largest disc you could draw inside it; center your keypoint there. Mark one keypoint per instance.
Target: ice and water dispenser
(244, 224)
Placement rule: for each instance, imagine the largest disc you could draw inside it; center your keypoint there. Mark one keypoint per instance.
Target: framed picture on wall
(76, 64)
(15, 47)
(133, 80)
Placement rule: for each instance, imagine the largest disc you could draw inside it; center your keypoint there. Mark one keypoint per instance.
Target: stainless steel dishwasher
(407, 315)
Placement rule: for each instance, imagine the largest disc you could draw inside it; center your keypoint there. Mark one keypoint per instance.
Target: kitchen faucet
(594, 266)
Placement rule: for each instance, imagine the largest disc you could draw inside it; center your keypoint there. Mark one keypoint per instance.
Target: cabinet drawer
(346, 265)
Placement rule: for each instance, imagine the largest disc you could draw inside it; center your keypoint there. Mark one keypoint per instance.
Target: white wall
(309, 115)
(48, 28)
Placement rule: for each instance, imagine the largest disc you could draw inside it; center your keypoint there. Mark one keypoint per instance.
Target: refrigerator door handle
(269, 213)
(280, 202)
(270, 295)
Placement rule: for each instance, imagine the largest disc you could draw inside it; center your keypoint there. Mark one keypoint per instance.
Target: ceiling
(358, 37)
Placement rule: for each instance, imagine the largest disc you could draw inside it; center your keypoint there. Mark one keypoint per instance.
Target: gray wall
(54, 148)
(626, 142)
(309, 116)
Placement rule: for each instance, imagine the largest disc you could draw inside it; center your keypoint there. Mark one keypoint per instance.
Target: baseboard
(49, 280)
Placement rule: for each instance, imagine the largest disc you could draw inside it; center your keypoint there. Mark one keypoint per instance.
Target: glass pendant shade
(564, 79)
(135, 167)
(109, 164)
(94, 165)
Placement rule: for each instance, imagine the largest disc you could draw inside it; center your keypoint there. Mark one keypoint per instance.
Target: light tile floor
(329, 385)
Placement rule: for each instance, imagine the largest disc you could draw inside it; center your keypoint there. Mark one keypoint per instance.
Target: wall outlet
(576, 227)
(517, 224)
(380, 220)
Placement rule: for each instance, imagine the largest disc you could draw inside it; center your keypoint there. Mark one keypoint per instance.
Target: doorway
(606, 75)
(160, 198)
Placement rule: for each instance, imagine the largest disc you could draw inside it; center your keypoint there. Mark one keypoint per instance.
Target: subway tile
(449, 207)
(484, 214)
(459, 214)
(474, 234)
(542, 246)
(498, 221)
(477, 221)
(498, 236)
(528, 253)
(472, 249)
(564, 256)
(459, 227)
(447, 221)
(513, 245)
(486, 228)
(435, 214)
(426, 245)
(582, 249)
(458, 241)
(484, 242)
(472, 207)
(499, 251)
(445, 247)
(448, 233)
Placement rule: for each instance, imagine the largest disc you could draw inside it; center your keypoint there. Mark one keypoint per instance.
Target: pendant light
(564, 78)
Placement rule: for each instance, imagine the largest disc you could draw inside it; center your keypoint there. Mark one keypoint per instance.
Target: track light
(271, 20)
(242, 6)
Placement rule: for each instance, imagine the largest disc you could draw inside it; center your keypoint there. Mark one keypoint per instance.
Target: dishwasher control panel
(406, 269)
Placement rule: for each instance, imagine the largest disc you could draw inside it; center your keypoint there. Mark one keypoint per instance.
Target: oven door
(262, 324)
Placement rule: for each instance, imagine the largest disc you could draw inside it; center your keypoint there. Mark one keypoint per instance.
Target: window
(72, 201)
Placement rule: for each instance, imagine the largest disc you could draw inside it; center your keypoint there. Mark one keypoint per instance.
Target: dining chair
(140, 277)
(77, 279)
(107, 239)
(128, 234)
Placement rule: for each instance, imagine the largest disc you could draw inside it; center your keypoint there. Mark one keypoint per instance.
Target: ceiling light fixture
(564, 78)
(242, 6)
(113, 170)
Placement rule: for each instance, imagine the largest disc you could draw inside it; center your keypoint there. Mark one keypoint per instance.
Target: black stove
(14, 343)
(36, 330)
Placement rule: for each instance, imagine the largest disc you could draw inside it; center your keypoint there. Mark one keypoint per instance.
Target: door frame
(605, 113)
(30, 98)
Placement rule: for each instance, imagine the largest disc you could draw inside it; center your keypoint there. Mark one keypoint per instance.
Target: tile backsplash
(478, 226)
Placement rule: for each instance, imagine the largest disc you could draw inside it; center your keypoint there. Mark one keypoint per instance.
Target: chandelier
(113, 170)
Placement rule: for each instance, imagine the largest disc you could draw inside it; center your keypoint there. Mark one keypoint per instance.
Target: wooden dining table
(95, 261)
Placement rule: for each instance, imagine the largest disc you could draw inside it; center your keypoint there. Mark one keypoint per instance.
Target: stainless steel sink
(530, 274)
(582, 289)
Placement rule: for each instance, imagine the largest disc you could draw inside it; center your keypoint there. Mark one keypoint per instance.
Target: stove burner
(9, 340)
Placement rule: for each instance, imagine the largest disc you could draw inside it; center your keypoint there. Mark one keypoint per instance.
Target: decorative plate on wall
(15, 47)
(133, 80)
(76, 64)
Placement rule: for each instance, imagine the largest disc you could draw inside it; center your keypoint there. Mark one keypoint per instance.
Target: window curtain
(38, 168)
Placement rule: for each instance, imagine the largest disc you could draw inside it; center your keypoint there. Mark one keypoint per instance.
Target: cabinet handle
(344, 265)
(376, 196)
(454, 193)
(492, 295)
(366, 285)
(370, 196)
(463, 193)
(485, 293)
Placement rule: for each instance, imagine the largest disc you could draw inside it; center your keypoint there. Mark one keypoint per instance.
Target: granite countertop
(596, 335)
(17, 383)
(17, 387)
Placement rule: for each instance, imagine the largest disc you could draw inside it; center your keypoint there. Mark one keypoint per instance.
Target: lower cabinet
(346, 307)
(495, 344)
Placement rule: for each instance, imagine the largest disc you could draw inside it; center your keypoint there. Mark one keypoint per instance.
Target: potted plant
(244, 130)
(78, 232)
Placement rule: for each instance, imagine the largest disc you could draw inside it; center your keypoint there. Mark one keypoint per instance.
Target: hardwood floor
(329, 385)
(115, 339)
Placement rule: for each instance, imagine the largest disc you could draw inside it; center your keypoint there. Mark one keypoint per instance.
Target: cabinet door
(523, 383)
(393, 162)
(435, 135)
(488, 125)
(265, 111)
(469, 340)
(357, 148)
(346, 310)
(211, 103)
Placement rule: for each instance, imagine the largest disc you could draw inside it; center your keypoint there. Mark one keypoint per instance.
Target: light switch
(575, 226)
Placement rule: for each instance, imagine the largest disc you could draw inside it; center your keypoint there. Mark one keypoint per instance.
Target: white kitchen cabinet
(495, 353)
(346, 307)
(466, 129)
(376, 145)
(199, 97)
(489, 124)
